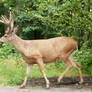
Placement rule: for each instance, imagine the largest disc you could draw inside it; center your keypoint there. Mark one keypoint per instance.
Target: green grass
(12, 72)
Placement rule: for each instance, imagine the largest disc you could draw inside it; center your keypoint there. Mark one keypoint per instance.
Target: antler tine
(11, 20)
(8, 22)
(1, 21)
(16, 28)
(4, 20)
(11, 15)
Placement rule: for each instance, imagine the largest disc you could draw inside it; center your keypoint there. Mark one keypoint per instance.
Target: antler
(11, 20)
(8, 22)
(4, 20)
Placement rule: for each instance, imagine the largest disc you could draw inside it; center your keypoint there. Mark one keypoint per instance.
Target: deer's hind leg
(69, 65)
(77, 66)
(69, 61)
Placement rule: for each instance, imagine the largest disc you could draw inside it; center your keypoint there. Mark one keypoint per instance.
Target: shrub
(8, 51)
(84, 57)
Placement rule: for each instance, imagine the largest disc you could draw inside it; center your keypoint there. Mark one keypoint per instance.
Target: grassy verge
(12, 72)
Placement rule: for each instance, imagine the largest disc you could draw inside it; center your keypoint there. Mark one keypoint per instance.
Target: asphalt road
(37, 89)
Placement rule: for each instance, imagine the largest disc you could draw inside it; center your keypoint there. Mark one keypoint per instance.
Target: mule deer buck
(41, 51)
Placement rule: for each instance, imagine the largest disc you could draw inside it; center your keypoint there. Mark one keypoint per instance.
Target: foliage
(11, 72)
(7, 51)
(50, 18)
(45, 19)
(84, 57)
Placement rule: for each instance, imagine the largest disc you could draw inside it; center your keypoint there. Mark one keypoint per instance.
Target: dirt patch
(71, 82)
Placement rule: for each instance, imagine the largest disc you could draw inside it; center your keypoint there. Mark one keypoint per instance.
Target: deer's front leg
(41, 66)
(29, 67)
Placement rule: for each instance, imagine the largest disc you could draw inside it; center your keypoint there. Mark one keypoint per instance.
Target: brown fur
(41, 51)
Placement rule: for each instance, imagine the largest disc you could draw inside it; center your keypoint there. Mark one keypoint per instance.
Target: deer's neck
(18, 43)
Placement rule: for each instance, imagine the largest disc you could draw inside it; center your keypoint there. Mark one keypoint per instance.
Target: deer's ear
(16, 29)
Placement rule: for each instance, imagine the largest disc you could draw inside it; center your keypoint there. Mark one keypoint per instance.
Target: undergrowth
(12, 73)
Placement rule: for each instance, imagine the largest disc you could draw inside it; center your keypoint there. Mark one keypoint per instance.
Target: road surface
(39, 89)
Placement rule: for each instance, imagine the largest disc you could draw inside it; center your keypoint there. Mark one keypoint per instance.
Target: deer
(41, 51)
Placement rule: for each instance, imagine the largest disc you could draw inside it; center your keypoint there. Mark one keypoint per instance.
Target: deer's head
(10, 30)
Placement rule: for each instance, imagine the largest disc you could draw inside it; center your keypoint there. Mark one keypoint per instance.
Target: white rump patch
(72, 59)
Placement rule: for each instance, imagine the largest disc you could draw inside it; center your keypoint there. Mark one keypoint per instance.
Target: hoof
(22, 86)
(47, 86)
(81, 82)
